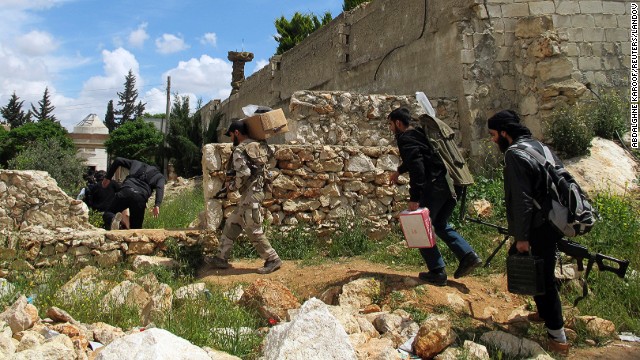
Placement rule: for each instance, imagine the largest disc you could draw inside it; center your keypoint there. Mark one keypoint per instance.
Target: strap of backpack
(543, 160)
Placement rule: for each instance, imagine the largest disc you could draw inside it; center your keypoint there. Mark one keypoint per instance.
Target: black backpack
(569, 209)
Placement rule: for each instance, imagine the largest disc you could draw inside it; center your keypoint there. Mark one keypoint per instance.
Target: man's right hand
(522, 246)
(105, 183)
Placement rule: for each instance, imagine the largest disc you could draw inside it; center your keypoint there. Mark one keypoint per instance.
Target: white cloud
(138, 36)
(209, 39)
(170, 43)
(259, 65)
(36, 43)
(207, 77)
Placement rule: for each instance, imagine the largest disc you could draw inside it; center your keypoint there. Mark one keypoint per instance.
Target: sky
(82, 49)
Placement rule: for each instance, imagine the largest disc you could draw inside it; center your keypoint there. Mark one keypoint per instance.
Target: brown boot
(558, 347)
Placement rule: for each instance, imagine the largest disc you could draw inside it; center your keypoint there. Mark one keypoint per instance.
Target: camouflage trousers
(247, 216)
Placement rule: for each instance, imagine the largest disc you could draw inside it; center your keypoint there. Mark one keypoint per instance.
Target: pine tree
(13, 113)
(140, 109)
(45, 109)
(110, 118)
(291, 32)
(128, 97)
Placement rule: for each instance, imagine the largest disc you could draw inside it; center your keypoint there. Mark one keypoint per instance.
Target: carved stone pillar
(237, 76)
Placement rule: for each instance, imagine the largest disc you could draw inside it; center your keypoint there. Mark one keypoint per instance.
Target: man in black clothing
(526, 193)
(136, 189)
(430, 187)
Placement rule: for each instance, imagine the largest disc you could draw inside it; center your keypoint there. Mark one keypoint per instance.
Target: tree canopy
(45, 108)
(110, 117)
(129, 110)
(13, 113)
(135, 139)
(18, 139)
(292, 32)
(184, 138)
(55, 157)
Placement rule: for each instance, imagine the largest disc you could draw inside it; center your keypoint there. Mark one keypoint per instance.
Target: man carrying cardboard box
(250, 162)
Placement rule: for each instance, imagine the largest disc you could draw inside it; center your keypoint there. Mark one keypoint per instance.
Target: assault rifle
(575, 251)
(222, 193)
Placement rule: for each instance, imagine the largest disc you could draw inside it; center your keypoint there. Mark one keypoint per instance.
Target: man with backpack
(430, 187)
(526, 194)
(136, 190)
(249, 165)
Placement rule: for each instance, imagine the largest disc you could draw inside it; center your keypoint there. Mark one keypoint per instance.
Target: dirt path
(483, 298)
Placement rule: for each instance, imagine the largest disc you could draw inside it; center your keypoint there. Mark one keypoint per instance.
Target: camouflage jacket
(250, 162)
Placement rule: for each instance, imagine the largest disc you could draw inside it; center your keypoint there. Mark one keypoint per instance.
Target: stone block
(495, 11)
(509, 38)
(561, 21)
(611, 7)
(591, 7)
(533, 26)
(542, 8)
(467, 56)
(515, 10)
(583, 21)
(626, 48)
(554, 69)
(617, 34)
(624, 21)
(593, 35)
(606, 21)
(589, 63)
(567, 7)
(504, 53)
(575, 35)
(509, 25)
(571, 50)
(508, 83)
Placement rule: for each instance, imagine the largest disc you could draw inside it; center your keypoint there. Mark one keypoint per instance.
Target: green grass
(177, 212)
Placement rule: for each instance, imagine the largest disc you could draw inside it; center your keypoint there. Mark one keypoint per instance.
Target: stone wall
(317, 185)
(40, 225)
(343, 118)
(485, 55)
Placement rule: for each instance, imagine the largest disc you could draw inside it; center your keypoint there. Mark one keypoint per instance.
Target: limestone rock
(270, 298)
(17, 316)
(359, 293)
(141, 261)
(512, 345)
(435, 335)
(153, 343)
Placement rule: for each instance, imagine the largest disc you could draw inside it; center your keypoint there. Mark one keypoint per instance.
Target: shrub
(610, 115)
(571, 130)
(51, 156)
(350, 239)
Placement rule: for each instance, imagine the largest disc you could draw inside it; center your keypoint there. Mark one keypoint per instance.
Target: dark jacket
(422, 162)
(99, 198)
(142, 178)
(525, 189)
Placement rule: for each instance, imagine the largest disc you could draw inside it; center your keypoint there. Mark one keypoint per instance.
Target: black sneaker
(434, 278)
(467, 264)
(217, 262)
(270, 266)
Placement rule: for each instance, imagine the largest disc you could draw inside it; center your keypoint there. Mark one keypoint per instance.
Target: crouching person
(249, 161)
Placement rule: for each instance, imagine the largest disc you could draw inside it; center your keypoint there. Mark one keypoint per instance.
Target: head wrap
(509, 121)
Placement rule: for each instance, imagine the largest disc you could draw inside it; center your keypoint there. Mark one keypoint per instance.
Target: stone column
(237, 76)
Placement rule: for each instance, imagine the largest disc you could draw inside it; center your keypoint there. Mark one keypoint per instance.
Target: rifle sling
(585, 286)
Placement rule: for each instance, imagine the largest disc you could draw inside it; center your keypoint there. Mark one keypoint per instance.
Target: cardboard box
(417, 229)
(265, 125)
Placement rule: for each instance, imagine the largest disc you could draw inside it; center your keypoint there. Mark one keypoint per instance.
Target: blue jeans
(441, 203)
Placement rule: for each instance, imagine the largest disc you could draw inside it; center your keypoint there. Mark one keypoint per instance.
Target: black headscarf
(509, 121)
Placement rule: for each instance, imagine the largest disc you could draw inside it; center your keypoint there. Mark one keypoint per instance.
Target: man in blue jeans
(430, 187)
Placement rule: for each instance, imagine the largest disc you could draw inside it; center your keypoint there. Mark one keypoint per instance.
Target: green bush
(610, 115)
(571, 130)
(51, 155)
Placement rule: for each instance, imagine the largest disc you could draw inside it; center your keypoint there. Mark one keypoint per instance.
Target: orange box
(417, 229)
(265, 125)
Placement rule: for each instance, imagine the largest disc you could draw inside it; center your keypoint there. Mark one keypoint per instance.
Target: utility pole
(165, 128)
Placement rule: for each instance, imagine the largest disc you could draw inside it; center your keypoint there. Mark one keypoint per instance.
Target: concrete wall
(468, 51)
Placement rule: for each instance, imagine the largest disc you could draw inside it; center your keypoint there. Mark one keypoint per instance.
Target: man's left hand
(522, 246)
(413, 206)
(155, 211)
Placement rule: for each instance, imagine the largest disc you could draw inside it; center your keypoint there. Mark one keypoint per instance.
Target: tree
(110, 118)
(350, 4)
(45, 109)
(184, 138)
(140, 109)
(135, 139)
(55, 157)
(13, 113)
(128, 108)
(292, 32)
(24, 136)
